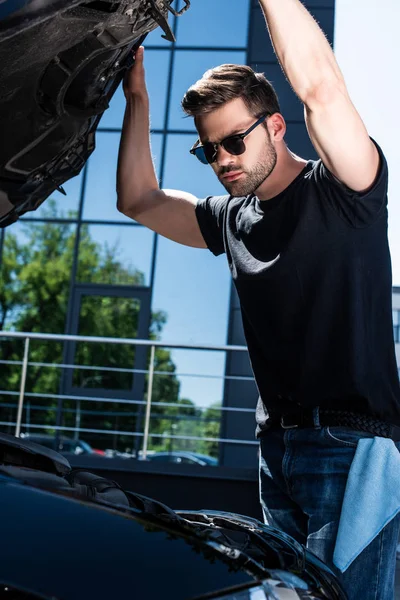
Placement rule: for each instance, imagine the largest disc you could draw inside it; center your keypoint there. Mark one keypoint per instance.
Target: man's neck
(288, 167)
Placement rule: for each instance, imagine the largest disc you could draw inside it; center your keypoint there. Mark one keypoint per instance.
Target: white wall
(367, 46)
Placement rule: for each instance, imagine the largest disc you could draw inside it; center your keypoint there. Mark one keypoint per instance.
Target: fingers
(138, 67)
(134, 80)
(139, 54)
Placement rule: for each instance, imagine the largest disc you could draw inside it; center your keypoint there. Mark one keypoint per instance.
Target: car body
(60, 63)
(73, 542)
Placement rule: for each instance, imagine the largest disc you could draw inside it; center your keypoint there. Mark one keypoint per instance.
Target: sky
(367, 47)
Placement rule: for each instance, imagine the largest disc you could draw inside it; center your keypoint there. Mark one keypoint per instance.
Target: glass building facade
(78, 266)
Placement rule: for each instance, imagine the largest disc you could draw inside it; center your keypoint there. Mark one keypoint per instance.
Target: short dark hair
(228, 82)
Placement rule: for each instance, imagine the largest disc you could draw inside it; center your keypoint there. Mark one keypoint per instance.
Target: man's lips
(232, 175)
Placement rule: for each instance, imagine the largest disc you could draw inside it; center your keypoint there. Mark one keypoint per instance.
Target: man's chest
(269, 245)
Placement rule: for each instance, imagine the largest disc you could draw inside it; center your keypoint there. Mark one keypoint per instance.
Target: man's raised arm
(168, 212)
(335, 127)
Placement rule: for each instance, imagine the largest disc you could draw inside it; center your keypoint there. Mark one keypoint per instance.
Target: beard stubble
(256, 176)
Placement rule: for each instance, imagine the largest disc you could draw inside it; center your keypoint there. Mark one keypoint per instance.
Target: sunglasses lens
(209, 152)
(234, 145)
(199, 153)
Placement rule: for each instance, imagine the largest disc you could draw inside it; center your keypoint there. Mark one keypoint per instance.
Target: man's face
(240, 175)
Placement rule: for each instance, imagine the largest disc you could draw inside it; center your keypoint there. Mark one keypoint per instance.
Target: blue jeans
(303, 474)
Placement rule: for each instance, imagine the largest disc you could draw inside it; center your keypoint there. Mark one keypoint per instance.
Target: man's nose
(223, 157)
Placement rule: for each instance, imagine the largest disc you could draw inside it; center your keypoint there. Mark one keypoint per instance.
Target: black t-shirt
(313, 273)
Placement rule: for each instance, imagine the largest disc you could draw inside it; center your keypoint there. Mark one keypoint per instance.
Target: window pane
(157, 68)
(118, 255)
(202, 24)
(188, 68)
(197, 412)
(35, 275)
(34, 287)
(58, 205)
(195, 297)
(110, 370)
(106, 316)
(201, 375)
(193, 287)
(184, 172)
(100, 193)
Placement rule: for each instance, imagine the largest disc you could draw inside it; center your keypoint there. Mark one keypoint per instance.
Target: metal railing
(151, 372)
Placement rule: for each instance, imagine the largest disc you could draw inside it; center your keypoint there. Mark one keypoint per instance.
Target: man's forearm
(136, 175)
(301, 47)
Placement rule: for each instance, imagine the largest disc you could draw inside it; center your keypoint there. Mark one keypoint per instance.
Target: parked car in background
(72, 535)
(64, 444)
(61, 62)
(182, 457)
(111, 453)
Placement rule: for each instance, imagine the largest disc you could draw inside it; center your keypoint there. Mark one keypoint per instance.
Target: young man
(306, 242)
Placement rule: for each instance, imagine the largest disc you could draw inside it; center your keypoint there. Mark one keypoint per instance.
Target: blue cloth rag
(371, 500)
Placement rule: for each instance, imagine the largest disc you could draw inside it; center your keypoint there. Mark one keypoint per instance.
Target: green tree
(211, 429)
(189, 421)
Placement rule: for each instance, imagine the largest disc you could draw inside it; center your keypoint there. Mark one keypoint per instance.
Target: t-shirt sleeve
(210, 213)
(356, 208)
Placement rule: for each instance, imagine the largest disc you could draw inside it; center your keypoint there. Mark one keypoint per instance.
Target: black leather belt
(326, 417)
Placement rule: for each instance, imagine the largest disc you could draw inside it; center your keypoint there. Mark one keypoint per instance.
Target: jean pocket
(345, 436)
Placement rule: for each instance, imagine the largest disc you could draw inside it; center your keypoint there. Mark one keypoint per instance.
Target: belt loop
(316, 420)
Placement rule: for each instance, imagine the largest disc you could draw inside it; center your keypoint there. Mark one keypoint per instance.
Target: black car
(73, 535)
(60, 63)
(182, 457)
(62, 444)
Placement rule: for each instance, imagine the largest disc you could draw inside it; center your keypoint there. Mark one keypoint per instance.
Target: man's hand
(134, 82)
(334, 126)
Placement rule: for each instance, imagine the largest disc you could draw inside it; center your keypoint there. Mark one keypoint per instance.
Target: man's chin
(237, 188)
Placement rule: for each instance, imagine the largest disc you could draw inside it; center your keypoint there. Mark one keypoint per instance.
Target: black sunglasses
(234, 144)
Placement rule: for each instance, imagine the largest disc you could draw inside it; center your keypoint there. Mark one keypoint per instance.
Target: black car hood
(60, 64)
(44, 501)
(142, 549)
(69, 549)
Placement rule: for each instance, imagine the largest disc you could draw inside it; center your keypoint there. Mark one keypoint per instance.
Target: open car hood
(60, 63)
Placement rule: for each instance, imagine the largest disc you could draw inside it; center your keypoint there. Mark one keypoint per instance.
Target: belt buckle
(288, 426)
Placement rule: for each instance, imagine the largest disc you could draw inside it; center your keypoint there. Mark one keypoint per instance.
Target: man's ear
(277, 127)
